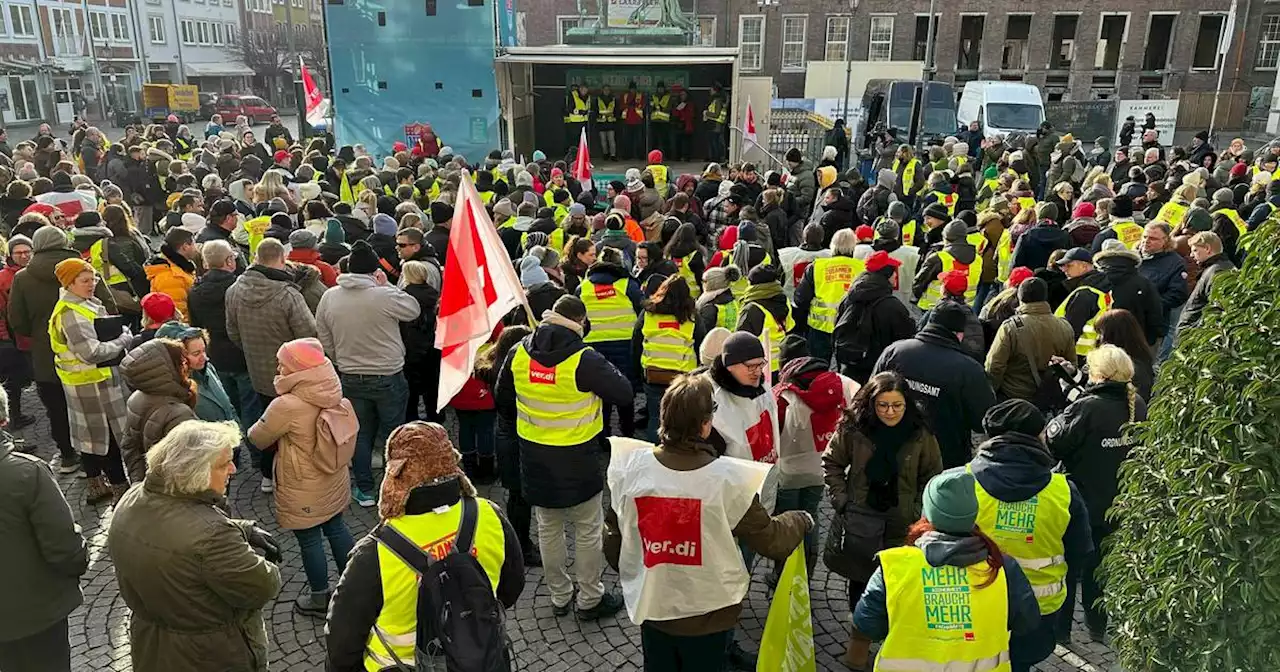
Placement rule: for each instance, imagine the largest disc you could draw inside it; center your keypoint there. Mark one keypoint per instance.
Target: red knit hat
(655, 156)
(864, 232)
(159, 308)
(1084, 210)
(1019, 274)
(879, 260)
(1239, 170)
(955, 282)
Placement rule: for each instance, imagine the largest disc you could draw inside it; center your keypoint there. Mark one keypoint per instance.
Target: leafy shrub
(1193, 572)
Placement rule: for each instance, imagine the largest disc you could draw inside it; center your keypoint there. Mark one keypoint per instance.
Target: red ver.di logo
(670, 530)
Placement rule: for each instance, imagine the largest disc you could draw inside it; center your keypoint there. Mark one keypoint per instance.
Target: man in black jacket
(870, 318)
(207, 303)
(438, 236)
(1038, 242)
(1129, 289)
(1167, 271)
(949, 383)
(1206, 250)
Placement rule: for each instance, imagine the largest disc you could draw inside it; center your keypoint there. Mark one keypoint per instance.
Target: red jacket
(683, 113)
(633, 108)
(311, 257)
(6, 283)
(475, 395)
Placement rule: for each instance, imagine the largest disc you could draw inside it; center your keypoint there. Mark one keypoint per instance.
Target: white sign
(1165, 111)
(620, 12)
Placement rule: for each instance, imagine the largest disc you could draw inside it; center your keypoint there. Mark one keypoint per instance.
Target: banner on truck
(1165, 111)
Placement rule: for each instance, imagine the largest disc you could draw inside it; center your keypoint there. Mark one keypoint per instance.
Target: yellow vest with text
(1171, 213)
(1128, 233)
(433, 532)
(1031, 531)
(661, 107)
(1235, 218)
(612, 316)
(668, 344)
(605, 113)
(659, 173)
(686, 272)
(1089, 335)
(777, 334)
(940, 618)
(98, 259)
(933, 294)
(578, 114)
(908, 174)
(550, 410)
(71, 369)
(947, 201)
(909, 233)
(832, 277)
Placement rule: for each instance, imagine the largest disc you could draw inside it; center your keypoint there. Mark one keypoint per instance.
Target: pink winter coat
(314, 430)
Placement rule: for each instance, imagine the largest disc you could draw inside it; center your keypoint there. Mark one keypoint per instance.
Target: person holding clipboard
(88, 345)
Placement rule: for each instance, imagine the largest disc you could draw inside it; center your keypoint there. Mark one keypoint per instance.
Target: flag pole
(757, 145)
(524, 296)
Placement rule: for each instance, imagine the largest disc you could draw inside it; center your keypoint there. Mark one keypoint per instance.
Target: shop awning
(216, 70)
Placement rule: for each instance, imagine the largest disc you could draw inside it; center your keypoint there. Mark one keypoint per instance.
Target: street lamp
(848, 61)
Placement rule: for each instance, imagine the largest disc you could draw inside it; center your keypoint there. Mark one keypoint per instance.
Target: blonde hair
(1110, 363)
(414, 272)
(183, 460)
(1208, 240)
(1186, 193)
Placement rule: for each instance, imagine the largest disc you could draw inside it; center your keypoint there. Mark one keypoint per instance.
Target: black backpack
(459, 618)
(853, 331)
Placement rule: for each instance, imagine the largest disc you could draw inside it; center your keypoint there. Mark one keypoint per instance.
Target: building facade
(190, 42)
(1090, 50)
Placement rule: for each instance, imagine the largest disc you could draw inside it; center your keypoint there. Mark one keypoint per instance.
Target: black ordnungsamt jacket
(1087, 437)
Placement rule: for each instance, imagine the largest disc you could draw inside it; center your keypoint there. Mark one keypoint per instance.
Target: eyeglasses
(404, 245)
(896, 407)
(755, 367)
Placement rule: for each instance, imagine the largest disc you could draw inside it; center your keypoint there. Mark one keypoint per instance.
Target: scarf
(882, 468)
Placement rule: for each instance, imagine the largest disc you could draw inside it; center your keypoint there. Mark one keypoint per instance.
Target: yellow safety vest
(98, 259)
(510, 222)
(433, 193)
(940, 618)
(739, 287)
(933, 294)
(960, 160)
(948, 201)
(1235, 218)
(659, 173)
(1020, 176)
(71, 369)
(727, 315)
(498, 175)
(832, 277)
(685, 271)
(560, 214)
(909, 233)
(390, 191)
(777, 334)
(1128, 233)
(1089, 335)
(550, 410)
(257, 228)
(908, 175)
(578, 115)
(1004, 256)
(486, 197)
(604, 113)
(344, 189)
(715, 111)
(1027, 202)
(661, 108)
(612, 316)
(556, 239)
(668, 344)
(977, 240)
(1171, 213)
(1031, 531)
(548, 195)
(433, 532)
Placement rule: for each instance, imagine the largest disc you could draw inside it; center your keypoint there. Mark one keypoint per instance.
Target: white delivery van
(1001, 107)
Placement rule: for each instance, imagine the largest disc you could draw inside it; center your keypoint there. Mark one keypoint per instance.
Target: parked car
(208, 104)
(252, 107)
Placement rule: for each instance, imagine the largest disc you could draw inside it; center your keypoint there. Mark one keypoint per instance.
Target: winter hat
(384, 225)
(300, 354)
(955, 283)
(741, 347)
(441, 213)
(20, 239)
(1020, 275)
(714, 278)
(88, 218)
(864, 232)
(418, 453)
(531, 272)
(1115, 248)
(1013, 415)
(556, 172)
(763, 274)
(826, 176)
(970, 219)
(793, 156)
(1239, 170)
(539, 155)
(577, 210)
(622, 202)
(158, 308)
(1047, 210)
(193, 222)
(655, 156)
(897, 212)
(530, 198)
(794, 347)
(68, 270)
(1197, 219)
(937, 211)
(614, 222)
(503, 209)
(1122, 207)
(1224, 196)
(362, 259)
(950, 502)
(597, 222)
(333, 233)
(886, 178)
(1084, 210)
(880, 260)
(536, 239)
(888, 229)
(48, 238)
(713, 344)
(281, 156)
(1033, 290)
(955, 231)
(949, 316)
(302, 239)
(747, 231)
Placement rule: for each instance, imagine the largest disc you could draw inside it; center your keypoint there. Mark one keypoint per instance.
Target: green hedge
(1193, 572)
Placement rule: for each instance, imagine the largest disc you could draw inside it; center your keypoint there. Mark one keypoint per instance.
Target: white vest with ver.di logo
(679, 557)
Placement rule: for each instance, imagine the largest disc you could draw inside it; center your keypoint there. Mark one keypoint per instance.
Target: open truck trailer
(533, 83)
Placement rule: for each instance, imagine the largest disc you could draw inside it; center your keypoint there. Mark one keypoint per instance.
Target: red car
(253, 108)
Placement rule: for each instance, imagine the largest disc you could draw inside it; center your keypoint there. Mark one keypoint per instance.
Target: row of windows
(207, 33)
(225, 3)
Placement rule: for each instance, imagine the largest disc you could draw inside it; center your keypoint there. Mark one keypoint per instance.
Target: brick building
(1074, 51)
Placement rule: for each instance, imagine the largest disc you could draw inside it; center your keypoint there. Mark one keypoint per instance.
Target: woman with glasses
(875, 468)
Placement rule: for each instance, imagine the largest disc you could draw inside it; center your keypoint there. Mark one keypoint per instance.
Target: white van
(1001, 107)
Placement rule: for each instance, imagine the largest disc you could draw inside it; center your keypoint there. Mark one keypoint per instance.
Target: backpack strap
(408, 552)
(465, 542)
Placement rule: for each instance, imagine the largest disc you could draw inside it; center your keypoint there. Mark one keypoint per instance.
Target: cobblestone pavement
(541, 642)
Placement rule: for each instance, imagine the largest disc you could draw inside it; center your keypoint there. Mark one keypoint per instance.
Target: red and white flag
(312, 95)
(582, 164)
(479, 287)
(749, 128)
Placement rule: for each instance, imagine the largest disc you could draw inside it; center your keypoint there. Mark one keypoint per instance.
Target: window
(1063, 43)
(1160, 38)
(706, 31)
(26, 100)
(921, 48)
(217, 34)
(751, 42)
(837, 48)
(188, 31)
(1016, 34)
(793, 39)
(564, 24)
(20, 20)
(202, 31)
(155, 23)
(970, 54)
(1208, 40)
(880, 44)
(98, 26)
(120, 27)
(1110, 42)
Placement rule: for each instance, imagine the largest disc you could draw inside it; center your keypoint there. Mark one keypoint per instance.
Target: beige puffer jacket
(314, 430)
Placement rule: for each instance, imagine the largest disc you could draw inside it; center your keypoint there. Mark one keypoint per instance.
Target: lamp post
(848, 61)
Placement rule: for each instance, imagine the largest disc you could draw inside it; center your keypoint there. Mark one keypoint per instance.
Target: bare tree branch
(264, 52)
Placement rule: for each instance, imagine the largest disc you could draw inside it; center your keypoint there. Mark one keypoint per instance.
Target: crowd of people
(175, 300)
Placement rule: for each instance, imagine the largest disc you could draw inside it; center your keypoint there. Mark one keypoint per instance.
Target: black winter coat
(775, 218)
(1087, 437)
(1193, 311)
(948, 382)
(1134, 293)
(1167, 272)
(869, 320)
(841, 214)
(419, 334)
(207, 303)
(1035, 246)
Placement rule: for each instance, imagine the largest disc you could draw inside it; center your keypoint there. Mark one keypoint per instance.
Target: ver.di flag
(582, 163)
(787, 643)
(478, 288)
(311, 93)
(749, 128)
